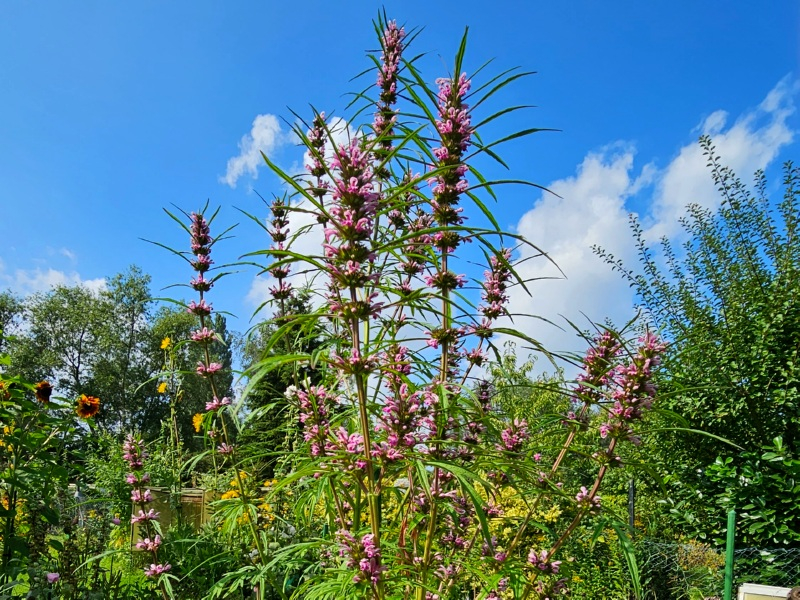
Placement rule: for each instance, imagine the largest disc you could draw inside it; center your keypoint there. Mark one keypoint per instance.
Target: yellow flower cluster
(693, 555)
(20, 507)
(6, 431)
(267, 512)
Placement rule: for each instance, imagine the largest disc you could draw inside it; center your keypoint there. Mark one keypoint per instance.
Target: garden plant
(399, 472)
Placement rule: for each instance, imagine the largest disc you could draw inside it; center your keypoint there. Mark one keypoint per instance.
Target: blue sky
(111, 111)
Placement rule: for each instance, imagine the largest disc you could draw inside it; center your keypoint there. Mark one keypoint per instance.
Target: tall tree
(64, 329)
(10, 314)
(185, 389)
(88, 342)
(124, 363)
(729, 301)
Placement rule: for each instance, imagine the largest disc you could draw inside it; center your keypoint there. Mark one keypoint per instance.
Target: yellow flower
(197, 421)
(230, 494)
(162, 387)
(165, 343)
(6, 431)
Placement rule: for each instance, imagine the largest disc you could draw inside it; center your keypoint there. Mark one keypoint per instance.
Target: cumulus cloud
(751, 143)
(265, 136)
(591, 210)
(24, 282)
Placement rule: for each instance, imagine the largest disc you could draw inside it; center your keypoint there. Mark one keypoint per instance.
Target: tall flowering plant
(403, 456)
(144, 516)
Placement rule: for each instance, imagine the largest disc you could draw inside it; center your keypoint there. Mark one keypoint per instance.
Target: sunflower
(43, 391)
(88, 406)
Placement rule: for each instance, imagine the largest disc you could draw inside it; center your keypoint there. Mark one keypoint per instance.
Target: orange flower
(43, 391)
(88, 406)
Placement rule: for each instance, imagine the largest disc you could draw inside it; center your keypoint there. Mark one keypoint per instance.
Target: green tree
(729, 302)
(188, 391)
(523, 395)
(94, 343)
(10, 315)
(267, 432)
(123, 363)
(64, 329)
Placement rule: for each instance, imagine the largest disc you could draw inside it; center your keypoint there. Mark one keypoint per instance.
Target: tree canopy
(728, 299)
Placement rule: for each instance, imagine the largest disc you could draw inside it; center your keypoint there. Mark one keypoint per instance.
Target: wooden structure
(751, 591)
(193, 508)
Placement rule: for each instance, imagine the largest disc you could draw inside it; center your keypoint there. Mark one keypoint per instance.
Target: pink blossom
(143, 517)
(204, 335)
(217, 403)
(149, 545)
(225, 449)
(154, 570)
(542, 562)
(139, 497)
(201, 284)
(204, 370)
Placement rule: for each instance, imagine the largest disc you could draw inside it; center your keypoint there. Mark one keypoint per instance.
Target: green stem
(237, 475)
(561, 455)
(582, 513)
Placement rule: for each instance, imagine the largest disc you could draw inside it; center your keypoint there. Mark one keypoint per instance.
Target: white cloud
(265, 136)
(68, 253)
(592, 211)
(258, 293)
(24, 282)
(751, 143)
